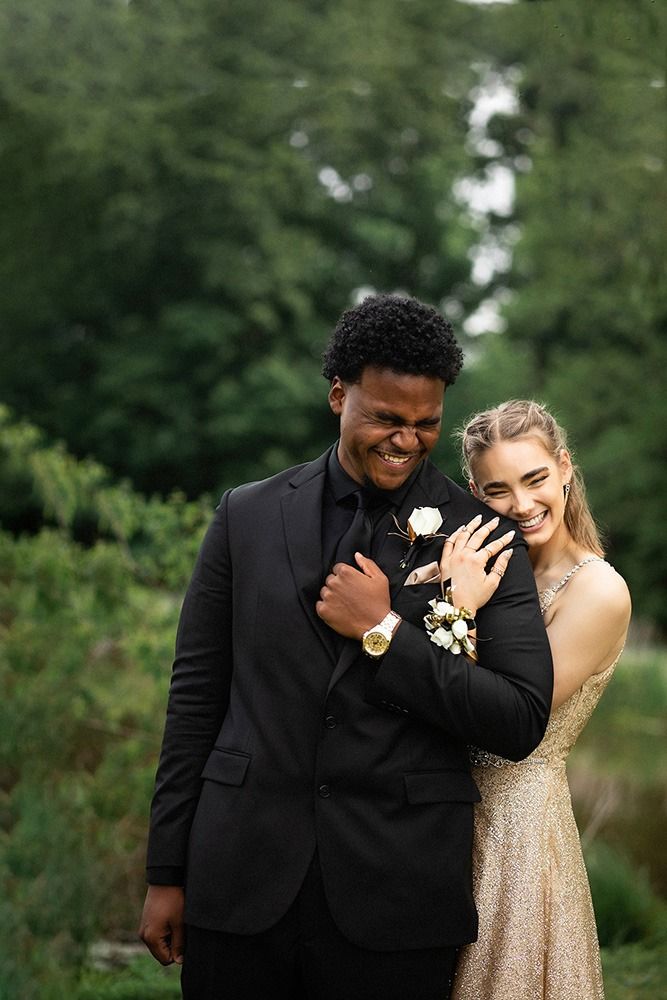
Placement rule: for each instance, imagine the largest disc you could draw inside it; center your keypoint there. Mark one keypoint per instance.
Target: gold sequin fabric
(537, 936)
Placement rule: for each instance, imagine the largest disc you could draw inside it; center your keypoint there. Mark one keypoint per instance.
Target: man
(312, 819)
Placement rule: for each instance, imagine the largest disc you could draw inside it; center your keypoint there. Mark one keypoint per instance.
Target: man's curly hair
(395, 332)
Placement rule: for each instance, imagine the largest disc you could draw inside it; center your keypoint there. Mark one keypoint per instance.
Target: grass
(631, 972)
(142, 979)
(635, 972)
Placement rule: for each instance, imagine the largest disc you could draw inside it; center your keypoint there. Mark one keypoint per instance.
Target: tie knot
(376, 501)
(356, 500)
(364, 499)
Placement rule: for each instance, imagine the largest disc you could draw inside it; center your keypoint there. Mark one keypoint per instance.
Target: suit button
(324, 791)
(330, 722)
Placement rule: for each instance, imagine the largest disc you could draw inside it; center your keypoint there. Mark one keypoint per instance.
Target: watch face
(375, 643)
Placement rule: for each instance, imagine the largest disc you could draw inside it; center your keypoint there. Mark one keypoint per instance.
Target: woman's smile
(533, 523)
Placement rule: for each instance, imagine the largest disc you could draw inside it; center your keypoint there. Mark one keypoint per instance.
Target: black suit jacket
(275, 744)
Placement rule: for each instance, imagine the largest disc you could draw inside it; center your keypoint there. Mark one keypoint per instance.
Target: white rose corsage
(449, 626)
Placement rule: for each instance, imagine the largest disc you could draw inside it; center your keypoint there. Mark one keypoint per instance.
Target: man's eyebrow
(524, 478)
(386, 416)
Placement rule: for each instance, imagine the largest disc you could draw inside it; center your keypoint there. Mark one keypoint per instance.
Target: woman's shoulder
(600, 586)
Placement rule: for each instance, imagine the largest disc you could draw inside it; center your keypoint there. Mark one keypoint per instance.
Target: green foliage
(86, 638)
(618, 778)
(44, 485)
(636, 701)
(637, 971)
(617, 775)
(587, 319)
(626, 909)
(192, 192)
(621, 448)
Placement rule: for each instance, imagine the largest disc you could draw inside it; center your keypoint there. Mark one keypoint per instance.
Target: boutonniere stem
(422, 527)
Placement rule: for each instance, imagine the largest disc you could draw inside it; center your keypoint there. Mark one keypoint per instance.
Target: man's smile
(393, 459)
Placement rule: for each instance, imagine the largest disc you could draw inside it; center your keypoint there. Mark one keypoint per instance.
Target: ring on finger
(494, 569)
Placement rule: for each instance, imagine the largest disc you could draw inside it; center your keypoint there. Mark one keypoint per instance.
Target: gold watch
(375, 642)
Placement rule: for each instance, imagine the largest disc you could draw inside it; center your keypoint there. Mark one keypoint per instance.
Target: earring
(566, 490)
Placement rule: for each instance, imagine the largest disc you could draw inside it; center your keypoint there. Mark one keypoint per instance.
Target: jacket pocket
(440, 786)
(226, 766)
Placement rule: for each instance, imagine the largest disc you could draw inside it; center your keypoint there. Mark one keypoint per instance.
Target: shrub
(626, 908)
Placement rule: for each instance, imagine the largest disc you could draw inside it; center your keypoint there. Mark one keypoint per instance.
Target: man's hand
(350, 601)
(161, 927)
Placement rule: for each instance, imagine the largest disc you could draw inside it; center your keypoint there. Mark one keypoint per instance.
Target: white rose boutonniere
(423, 525)
(424, 521)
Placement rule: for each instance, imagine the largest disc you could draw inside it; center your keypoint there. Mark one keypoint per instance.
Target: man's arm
(198, 699)
(501, 704)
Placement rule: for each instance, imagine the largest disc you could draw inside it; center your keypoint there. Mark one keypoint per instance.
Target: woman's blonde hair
(525, 418)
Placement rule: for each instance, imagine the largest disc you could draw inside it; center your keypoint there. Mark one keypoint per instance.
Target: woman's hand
(464, 560)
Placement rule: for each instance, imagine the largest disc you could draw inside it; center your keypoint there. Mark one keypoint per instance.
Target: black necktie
(358, 536)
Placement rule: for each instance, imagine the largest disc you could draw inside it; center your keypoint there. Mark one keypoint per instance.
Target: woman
(537, 936)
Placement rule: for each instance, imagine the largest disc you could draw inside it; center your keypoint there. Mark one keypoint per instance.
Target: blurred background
(190, 194)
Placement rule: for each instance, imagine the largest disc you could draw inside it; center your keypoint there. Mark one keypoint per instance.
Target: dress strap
(547, 596)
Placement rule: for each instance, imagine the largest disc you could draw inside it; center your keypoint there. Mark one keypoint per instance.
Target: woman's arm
(588, 627)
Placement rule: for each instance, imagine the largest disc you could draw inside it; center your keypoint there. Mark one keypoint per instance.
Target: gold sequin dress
(537, 936)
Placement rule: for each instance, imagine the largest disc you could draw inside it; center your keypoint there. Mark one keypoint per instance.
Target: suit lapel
(302, 520)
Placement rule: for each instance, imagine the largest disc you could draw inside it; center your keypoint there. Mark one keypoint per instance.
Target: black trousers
(305, 957)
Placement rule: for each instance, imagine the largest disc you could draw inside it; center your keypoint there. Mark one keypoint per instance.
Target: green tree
(587, 319)
(191, 194)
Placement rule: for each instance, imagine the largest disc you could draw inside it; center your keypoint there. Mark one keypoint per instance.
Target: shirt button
(324, 791)
(330, 722)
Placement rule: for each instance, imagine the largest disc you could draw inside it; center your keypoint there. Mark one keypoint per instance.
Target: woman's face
(521, 480)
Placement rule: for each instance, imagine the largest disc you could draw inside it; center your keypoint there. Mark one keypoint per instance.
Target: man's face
(388, 423)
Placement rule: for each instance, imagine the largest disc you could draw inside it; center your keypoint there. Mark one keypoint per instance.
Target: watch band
(390, 621)
(376, 640)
